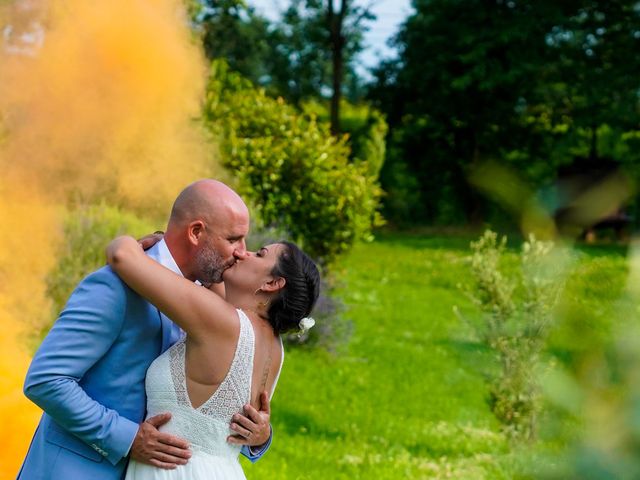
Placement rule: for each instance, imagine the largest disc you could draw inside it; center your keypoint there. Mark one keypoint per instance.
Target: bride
(232, 349)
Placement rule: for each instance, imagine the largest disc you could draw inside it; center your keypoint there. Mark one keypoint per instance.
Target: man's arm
(83, 333)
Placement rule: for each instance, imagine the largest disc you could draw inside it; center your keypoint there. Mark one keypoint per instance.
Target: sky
(389, 13)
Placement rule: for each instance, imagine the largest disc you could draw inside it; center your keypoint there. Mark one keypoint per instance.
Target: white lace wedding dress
(205, 428)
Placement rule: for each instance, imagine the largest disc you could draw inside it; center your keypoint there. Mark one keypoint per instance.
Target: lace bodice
(206, 428)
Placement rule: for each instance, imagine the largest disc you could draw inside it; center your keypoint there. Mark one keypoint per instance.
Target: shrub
(366, 131)
(290, 167)
(600, 385)
(87, 230)
(517, 306)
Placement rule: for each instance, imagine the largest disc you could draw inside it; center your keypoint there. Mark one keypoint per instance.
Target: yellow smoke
(98, 101)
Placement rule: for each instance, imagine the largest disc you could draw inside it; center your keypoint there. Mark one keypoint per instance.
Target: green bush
(517, 306)
(366, 130)
(87, 230)
(599, 381)
(290, 168)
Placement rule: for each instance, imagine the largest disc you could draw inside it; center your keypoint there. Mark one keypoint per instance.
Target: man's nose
(241, 252)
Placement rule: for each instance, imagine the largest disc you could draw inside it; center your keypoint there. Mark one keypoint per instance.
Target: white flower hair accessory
(306, 324)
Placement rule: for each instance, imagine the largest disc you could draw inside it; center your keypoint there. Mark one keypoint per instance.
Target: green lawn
(407, 396)
(406, 399)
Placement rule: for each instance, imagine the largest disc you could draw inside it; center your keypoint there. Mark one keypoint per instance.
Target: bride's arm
(218, 289)
(194, 308)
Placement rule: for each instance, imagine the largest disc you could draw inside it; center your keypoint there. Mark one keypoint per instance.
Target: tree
(598, 79)
(456, 90)
(317, 43)
(298, 67)
(232, 30)
(527, 83)
(308, 54)
(297, 175)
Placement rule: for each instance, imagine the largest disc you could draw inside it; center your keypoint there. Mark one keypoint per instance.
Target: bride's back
(207, 363)
(204, 422)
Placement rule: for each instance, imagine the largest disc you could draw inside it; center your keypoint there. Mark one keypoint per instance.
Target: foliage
(366, 129)
(598, 80)
(459, 95)
(402, 203)
(405, 398)
(427, 94)
(518, 311)
(301, 62)
(300, 65)
(232, 30)
(87, 230)
(598, 382)
(291, 56)
(296, 174)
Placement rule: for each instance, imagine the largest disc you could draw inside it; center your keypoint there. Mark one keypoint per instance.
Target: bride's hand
(151, 239)
(121, 248)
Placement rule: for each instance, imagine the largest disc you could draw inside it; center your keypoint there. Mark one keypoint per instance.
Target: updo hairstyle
(296, 300)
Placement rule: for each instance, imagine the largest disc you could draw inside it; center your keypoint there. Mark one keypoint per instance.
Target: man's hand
(150, 240)
(253, 427)
(159, 449)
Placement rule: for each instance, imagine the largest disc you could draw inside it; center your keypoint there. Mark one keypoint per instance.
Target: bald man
(88, 374)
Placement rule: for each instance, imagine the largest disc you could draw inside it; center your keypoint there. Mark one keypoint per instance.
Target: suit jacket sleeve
(255, 453)
(83, 333)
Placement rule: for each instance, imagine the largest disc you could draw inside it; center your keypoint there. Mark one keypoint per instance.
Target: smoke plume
(98, 102)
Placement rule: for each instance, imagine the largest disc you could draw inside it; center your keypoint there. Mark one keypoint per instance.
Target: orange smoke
(98, 102)
(25, 257)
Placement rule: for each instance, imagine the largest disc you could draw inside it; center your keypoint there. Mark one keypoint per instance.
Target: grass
(407, 396)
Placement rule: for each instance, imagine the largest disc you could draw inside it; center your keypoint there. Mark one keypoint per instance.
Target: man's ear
(274, 285)
(195, 231)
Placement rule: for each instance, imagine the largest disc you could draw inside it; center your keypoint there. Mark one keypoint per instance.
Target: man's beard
(211, 266)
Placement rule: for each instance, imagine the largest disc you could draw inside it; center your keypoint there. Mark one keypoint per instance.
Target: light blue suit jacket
(88, 377)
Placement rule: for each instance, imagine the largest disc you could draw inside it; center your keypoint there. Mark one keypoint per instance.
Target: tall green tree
(527, 83)
(317, 43)
(344, 25)
(596, 72)
(299, 67)
(234, 31)
(453, 95)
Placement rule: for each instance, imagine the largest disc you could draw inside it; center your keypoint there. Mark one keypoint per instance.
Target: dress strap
(275, 382)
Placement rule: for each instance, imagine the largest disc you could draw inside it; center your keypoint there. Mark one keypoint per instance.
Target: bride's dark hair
(296, 300)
